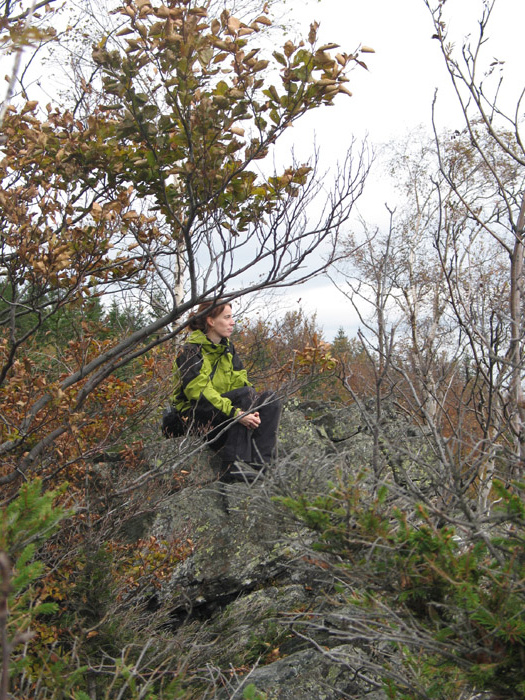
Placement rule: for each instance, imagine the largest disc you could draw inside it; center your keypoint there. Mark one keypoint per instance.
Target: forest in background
(150, 189)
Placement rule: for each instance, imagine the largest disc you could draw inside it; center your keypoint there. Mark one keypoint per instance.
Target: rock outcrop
(233, 601)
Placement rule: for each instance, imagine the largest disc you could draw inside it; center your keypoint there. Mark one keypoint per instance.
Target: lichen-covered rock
(247, 631)
(310, 675)
(185, 461)
(298, 433)
(335, 422)
(232, 599)
(242, 537)
(237, 539)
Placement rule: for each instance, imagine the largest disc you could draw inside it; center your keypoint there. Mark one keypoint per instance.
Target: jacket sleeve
(194, 371)
(239, 376)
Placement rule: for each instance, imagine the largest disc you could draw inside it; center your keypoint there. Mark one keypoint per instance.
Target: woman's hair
(197, 319)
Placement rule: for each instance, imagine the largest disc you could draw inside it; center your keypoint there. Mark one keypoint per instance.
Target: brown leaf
(234, 24)
(263, 20)
(30, 106)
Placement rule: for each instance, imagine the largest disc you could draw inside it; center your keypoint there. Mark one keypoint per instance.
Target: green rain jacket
(193, 367)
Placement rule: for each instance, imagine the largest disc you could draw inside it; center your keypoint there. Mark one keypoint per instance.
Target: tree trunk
(517, 407)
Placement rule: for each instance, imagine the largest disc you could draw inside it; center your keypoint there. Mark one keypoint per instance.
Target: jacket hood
(200, 338)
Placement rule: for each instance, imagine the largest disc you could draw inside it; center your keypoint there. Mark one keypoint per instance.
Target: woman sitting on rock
(213, 391)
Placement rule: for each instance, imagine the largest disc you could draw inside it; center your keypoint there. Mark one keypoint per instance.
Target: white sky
(394, 95)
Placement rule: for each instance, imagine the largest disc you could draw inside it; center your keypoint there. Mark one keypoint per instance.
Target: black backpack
(174, 423)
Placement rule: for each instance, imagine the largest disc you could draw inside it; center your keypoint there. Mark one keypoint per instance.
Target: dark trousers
(234, 441)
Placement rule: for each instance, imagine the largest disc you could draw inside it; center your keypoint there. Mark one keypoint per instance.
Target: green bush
(448, 593)
(66, 636)
(27, 522)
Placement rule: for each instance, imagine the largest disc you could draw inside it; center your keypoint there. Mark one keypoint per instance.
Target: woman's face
(221, 326)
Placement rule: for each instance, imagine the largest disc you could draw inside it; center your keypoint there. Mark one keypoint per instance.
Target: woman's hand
(250, 420)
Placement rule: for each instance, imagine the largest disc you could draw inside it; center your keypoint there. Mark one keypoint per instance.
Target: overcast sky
(395, 95)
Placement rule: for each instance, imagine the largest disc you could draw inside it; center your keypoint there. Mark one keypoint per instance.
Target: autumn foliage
(152, 192)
